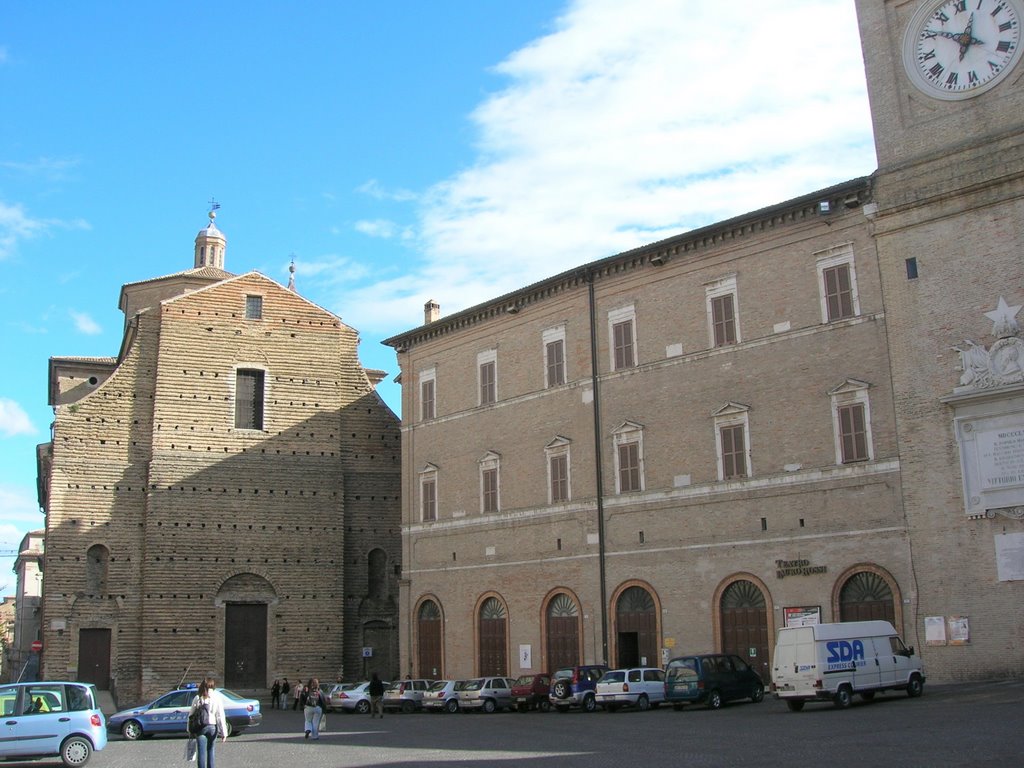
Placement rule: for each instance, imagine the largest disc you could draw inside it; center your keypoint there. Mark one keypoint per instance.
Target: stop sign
(37, 646)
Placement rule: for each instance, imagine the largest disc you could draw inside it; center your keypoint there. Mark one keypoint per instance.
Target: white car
(640, 687)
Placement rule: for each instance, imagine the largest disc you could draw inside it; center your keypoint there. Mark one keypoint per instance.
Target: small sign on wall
(934, 630)
(802, 615)
(526, 656)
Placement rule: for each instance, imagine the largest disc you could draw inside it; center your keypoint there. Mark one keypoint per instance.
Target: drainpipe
(588, 275)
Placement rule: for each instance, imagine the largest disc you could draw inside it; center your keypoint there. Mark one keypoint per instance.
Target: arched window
(563, 632)
(493, 637)
(866, 596)
(428, 634)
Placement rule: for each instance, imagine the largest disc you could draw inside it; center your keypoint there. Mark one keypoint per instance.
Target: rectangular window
(838, 291)
(427, 399)
(253, 307)
(428, 499)
(723, 320)
(853, 433)
(249, 399)
(555, 353)
(734, 455)
(629, 467)
(488, 383)
(489, 490)
(558, 468)
(622, 341)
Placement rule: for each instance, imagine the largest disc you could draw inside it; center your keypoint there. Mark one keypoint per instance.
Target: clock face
(956, 49)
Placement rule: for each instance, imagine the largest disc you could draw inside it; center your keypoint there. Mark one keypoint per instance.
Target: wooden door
(245, 646)
(744, 618)
(94, 657)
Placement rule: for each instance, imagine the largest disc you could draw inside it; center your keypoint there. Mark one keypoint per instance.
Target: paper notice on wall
(1010, 556)
(959, 630)
(934, 630)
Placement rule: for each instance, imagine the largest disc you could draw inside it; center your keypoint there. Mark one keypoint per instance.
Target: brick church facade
(223, 496)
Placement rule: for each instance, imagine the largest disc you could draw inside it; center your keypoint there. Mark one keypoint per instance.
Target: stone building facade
(766, 421)
(223, 496)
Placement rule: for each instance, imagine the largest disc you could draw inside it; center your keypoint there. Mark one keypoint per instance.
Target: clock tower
(946, 87)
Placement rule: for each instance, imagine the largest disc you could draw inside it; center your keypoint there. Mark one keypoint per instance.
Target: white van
(834, 661)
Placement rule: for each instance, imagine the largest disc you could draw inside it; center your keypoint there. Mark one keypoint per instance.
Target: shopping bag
(190, 749)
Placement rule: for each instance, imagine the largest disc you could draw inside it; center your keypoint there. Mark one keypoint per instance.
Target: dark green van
(710, 679)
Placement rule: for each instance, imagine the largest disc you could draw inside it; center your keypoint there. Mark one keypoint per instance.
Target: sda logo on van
(844, 653)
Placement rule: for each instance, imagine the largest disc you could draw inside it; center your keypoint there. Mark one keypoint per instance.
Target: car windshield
(568, 672)
(439, 685)
(474, 685)
(613, 676)
(681, 668)
(460, 685)
(232, 695)
(524, 680)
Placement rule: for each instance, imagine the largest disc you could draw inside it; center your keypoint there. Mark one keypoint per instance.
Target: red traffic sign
(37, 646)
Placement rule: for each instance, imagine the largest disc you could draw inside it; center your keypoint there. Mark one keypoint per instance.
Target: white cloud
(629, 123)
(16, 225)
(85, 324)
(20, 515)
(14, 420)
(373, 189)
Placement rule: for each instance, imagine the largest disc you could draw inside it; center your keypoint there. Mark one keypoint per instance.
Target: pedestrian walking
(297, 694)
(313, 707)
(285, 688)
(207, 721)
(275, 694)
(376, 691)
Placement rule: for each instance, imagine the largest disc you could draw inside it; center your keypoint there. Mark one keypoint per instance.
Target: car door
(169, 713)
(44, 719)
(654, 685)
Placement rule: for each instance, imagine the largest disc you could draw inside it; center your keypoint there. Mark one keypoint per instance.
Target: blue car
(169, 714)
(51, 719)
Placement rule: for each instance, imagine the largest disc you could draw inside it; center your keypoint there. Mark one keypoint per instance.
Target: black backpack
(199, 718)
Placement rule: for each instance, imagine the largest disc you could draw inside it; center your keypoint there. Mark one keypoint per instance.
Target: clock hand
(966, 39)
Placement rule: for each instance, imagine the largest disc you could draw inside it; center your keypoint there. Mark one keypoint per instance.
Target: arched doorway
(563, 632)
(866, 596)
(428, 637)
(636, 629)
(743, 616)
(493, 635)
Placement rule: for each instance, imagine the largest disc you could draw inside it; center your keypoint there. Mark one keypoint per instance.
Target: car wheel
(867, 695)
(843, 697)
(714, 700)
(363, 707)
(915, 687)
(643, 703)
(75, 751)
(408, 707)
(451, 706)
(561, 690)
(757, 693)
(589, 703)
(132, 730)
(232, 731)
(489, 706)
(795, 705)
(544, 705)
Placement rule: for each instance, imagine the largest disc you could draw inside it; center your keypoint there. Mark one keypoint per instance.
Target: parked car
(711, 679)
(333, 695)
(574, 687)
(489, 694)
(169, 714)
(405, 695)
(352, 697)
(443, 696)
(52, 719)
(532, 691)
(640, 687)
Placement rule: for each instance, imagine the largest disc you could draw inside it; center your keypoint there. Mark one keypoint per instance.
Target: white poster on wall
(1010, 556)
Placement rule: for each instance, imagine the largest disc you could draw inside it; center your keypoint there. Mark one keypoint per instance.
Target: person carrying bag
(206, 721)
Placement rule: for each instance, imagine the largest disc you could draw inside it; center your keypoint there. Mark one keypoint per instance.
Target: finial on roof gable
(210, 242)
(291, 275)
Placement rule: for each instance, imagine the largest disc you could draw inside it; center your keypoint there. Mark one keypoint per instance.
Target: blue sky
(401, 151)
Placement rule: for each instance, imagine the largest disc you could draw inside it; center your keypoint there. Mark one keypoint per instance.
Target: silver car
(405, 695)
(489, 694)
(443, 696)
(351, 697)
(640, 687)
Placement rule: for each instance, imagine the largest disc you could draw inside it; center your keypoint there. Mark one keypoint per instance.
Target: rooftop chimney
(431, 312)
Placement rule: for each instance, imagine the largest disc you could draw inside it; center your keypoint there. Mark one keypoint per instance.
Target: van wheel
(795, 705)
(915, 687)
(714, 700)
(757, 694)
(843, 697)
(867, 695)
(643, 703)
(75, 751)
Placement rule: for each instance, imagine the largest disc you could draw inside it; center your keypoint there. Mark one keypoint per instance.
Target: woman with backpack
(313, 708)
(206, 720)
